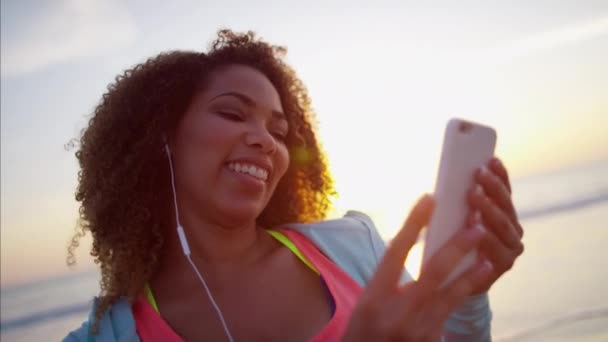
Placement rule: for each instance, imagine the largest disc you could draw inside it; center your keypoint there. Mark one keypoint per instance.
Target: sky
(384, 79)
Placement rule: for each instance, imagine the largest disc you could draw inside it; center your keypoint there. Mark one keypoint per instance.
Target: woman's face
(229, 147)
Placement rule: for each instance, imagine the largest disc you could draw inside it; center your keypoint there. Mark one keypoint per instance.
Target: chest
(284, 300)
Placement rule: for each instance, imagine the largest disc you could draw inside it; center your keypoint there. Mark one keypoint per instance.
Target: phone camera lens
(465, 127)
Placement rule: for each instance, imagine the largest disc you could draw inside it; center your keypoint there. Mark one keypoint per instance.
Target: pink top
(344, 290)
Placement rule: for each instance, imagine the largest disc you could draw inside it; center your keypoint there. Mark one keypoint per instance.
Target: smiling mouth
(250, 170)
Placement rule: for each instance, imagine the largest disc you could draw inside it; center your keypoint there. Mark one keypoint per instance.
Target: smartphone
(467, 146)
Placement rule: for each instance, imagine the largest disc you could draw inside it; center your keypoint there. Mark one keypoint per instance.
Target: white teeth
(249, 169)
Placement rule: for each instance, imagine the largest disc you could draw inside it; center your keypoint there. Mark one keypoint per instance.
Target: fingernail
(486, 267)
(476, 216)
(476, 232)
(478, 190)
(483, 170)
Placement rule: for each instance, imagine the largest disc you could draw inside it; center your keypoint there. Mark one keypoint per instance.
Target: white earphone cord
(186, 248)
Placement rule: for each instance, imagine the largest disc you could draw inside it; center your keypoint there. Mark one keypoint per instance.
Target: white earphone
(186, 247)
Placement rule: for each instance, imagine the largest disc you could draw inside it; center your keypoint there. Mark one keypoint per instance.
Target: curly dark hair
(124, 184)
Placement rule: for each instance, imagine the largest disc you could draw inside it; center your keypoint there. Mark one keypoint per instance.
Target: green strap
(292, 247)
(150, 298)
(275, 234)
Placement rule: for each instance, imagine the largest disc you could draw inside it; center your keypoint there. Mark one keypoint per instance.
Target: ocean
(556, 292)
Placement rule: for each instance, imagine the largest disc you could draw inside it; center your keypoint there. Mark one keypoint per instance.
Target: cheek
(203, 144)
(209, 138)
(206, 131)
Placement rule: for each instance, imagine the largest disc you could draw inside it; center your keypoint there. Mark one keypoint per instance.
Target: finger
(501, 171)
(410, 320)
(433, 317)
(391, 266)
(409, 303)
(495, 219)
(420, 325)
(520, 230)
(473, 218)
(494, 187)
(437, 310)
(498, 254)
(445, 260)
(463, 286)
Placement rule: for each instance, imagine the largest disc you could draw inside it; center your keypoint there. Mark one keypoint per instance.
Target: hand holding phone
(466, 147)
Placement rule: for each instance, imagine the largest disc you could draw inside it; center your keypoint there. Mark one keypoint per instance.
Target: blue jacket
(354, 244)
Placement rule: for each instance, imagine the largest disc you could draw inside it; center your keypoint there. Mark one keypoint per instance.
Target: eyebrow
(248, 101)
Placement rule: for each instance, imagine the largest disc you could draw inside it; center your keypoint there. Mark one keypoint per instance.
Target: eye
(232, 116)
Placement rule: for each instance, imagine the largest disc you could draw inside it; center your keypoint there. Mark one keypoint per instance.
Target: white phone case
(466, 147)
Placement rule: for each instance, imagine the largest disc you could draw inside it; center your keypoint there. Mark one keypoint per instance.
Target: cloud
(550, 39)
(71, 30)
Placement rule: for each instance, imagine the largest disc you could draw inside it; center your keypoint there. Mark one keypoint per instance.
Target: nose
(260, 138)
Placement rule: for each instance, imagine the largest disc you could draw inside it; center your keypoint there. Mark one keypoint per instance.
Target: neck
(215, 243)
(219, 251)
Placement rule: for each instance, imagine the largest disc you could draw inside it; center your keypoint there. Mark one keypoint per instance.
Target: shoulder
(353, 221)
(351, 241)
(78, 335)
(117, 324)
(354, 229)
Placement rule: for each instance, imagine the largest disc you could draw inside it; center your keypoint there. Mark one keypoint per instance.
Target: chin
(242, 214)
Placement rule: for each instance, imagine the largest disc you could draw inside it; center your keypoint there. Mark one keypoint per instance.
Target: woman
(204, 188)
